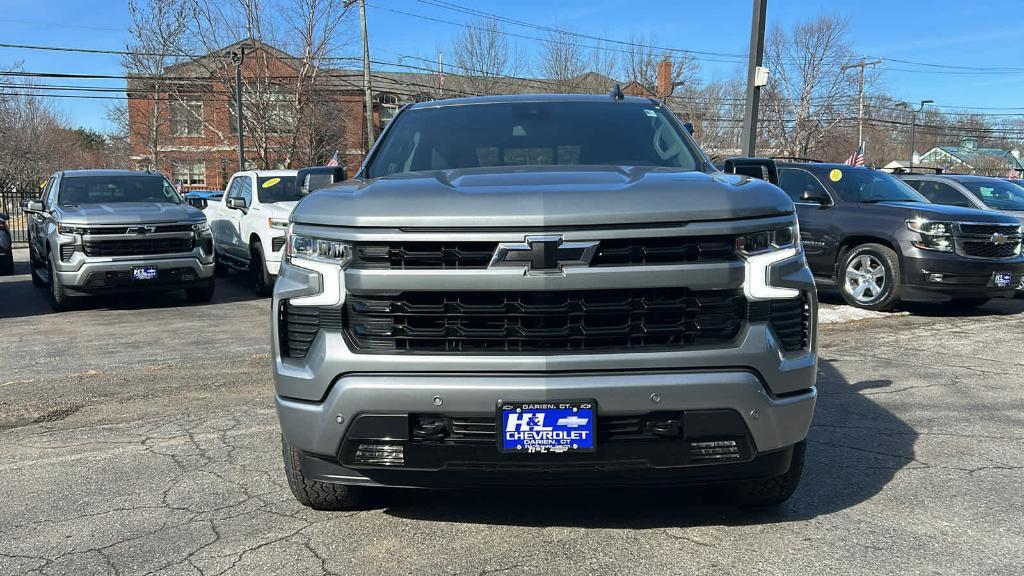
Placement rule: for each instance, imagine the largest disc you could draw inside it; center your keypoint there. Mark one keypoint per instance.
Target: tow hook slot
(667, 426)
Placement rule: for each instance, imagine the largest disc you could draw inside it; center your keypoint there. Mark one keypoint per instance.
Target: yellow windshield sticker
(835, 175)
(274, 181)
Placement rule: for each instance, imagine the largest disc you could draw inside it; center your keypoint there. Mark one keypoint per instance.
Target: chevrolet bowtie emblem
(543, 254)
(999, 238)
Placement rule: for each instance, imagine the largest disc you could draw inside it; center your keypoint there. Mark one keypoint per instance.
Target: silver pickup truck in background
(112, 231)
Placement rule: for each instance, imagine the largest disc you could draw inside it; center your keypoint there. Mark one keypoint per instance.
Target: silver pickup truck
(109, 231)
(543, 290)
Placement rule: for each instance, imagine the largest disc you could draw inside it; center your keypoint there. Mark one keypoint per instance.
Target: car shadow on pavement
(855, 447)
(19, 298)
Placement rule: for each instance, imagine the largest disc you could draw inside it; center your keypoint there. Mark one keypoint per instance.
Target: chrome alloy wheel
(865, 278)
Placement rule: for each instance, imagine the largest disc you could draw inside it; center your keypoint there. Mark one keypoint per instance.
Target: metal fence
(17, 223)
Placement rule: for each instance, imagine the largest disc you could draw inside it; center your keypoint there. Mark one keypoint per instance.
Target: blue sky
(950, 32)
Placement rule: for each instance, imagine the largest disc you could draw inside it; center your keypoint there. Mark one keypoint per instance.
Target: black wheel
(200, 293)
(7, 265)
(869, 277)
(313, 493)
(772, 491)
(262, 279)
(969, 302)
(58, 295)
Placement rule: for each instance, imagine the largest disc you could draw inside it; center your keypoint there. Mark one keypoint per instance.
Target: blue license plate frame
(145, 273)
(551, 427)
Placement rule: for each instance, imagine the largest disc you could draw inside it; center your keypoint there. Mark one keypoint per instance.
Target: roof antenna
(616, 92)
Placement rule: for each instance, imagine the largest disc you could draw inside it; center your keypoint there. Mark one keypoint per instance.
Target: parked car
(530, 290)
(881, 242)
(109, 231)
(311, 179)
(249, 223)
(204, 194)
(6, 247)
(981, 192)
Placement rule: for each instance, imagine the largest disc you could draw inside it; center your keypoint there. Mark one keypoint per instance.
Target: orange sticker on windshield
(271, 182)
(835, 175)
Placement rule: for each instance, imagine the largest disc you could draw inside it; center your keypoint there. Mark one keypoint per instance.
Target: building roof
(973, 157)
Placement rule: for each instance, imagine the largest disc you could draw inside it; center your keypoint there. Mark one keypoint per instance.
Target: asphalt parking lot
(138, 436)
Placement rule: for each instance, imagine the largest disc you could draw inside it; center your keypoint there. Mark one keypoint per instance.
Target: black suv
(880, 242)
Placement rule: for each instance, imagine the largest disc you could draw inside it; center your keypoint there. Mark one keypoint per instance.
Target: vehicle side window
(245, 189)
(941, 193)
(48, 193)
(232, 189)
(795, 182)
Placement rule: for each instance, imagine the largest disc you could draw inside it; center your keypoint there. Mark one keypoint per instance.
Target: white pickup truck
(249, 223)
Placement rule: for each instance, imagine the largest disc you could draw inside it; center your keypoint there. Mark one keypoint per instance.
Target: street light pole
(237, 58)
(913, 128)
(754, 62)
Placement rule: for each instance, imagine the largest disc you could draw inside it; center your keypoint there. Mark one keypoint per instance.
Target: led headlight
(762, 249)
(934, 235)
(202, 229)
(278, 223)
(308, 248)
(67, 229)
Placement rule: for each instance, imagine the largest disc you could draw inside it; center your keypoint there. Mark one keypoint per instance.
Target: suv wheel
(313, 493)
(258, 268)
(869, 277)
(772, 491)
(58, 295)
(34, 269)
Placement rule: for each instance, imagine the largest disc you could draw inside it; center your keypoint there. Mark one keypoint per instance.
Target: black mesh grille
(989, 229)
(984, 249)
(572, 321)
(277, 243)
(790, 319)
(142, 246)
(477, 255)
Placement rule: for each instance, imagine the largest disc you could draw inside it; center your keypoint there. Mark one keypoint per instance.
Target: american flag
(857, 158)
(334, 160)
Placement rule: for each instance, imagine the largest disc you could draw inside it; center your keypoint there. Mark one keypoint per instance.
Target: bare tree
(570, 67)
(640, 64)
(33, 140)
(716, 111)
(486, 59)
(809, 92)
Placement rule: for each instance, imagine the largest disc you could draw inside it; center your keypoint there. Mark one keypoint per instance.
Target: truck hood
(130, 213)
(539, 197)
(951, 213)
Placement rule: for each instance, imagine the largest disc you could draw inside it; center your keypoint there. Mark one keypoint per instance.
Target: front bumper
(960, 277)
(103, 275)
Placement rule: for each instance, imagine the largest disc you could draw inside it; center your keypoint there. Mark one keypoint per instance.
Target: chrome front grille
(988, 240)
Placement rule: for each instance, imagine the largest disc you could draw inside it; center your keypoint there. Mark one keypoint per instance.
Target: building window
(388, 108)
(269, 113)
(189, 173)
(187, 118)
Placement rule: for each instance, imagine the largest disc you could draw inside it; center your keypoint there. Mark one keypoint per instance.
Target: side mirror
(815, 196)
(237, 203)
(32, 206)
(200, 203)
(762, 168)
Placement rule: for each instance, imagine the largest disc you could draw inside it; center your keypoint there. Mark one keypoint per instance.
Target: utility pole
(860, 94)
(913, 128)
(237, 58)
(757, 76)
(367, 89)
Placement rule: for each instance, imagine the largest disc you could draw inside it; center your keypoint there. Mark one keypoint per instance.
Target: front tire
(773, 491)
(313, 493)
(58, 295)
(869, 277)
(33, 270)
(262, 279)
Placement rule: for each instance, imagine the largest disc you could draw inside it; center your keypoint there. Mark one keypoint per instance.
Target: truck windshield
(124, 188)
(997, 194)
(532, 134)
(866, 185)
(277, 189)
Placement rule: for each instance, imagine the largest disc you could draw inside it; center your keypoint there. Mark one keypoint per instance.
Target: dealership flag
(334, 160)
(857, 158)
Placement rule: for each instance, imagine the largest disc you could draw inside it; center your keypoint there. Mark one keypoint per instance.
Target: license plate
(1002, 279)
(547, 427)
(144, 273)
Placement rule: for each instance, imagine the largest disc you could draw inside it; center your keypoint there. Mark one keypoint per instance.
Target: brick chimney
(664, 78)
